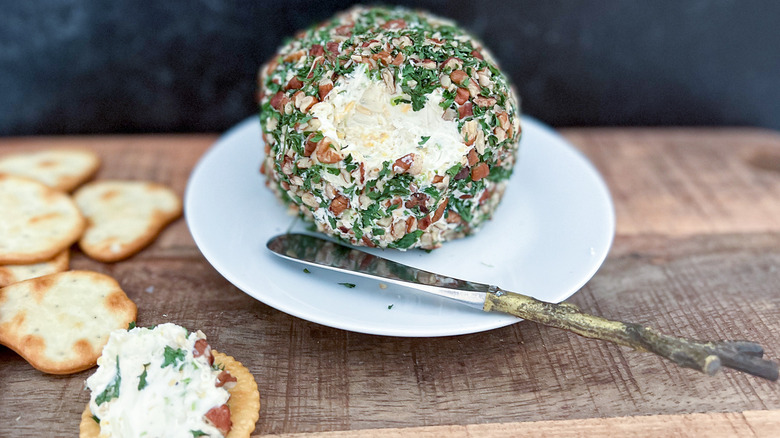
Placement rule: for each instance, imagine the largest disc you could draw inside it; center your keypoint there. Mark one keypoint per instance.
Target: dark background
(176, 66)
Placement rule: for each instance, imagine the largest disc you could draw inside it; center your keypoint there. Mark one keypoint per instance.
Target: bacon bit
(437, 179)
(394, 24)
(339, 204)
(325, 153)
(276, 100)
(424, 223)
(294, 84)
(344, 30)
(225, 378)
(440, 210)
(458, 76)
(220, 418)
(202, 348)
(398, 60)
(485, 102)
(324, 90)
(462, 174)
(411, 223)
(462, 96)
(480, 171)
(403, 164)
(475, 53)
(316, 50)
(368, 242)
(466, 110)
(473, 157)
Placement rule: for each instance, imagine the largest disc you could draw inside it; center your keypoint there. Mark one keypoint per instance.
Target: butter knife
(705, 356)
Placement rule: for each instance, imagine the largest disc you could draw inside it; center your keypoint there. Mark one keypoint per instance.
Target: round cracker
(61, 168)
(124, 216)
(244, 402)
(10, 274)
(36, 221)
(59, 323)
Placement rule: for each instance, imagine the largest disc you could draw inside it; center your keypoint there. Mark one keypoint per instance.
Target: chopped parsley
(173, 355)
(348, 285)
(112, 390)
(142, 379)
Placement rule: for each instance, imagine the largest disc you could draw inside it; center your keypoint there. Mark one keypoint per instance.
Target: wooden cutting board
(697, 253)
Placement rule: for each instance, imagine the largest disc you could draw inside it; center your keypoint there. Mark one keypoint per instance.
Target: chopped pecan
(485, 102)
(394, 24)
(310, 146)
(461, 96)
(324, 89)
(440, 210)
(411, 224)
(475, 53)
(403, 164)
(294, 84)
(453, 218)
(417, 200)
(424, 223)
(462, 173)
(325, 153)
(368, 242)
(473, 157)
(220, 418)
(383, 56)
(466, 110)
(333, 47)
(458, 76)
(316, 50)
(398, 60)
(479, 171)
(437, 179)
(339, 204)
(344, 30)
(276, 101)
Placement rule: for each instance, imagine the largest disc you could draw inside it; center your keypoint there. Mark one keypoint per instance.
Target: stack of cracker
(59, 320)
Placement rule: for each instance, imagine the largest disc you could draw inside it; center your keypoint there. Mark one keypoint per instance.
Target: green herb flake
(131, 325)
(172, 356)
(424, 139)
(97, 420)
(348, 285)
(142, 379)
(112, 390)
(197, 433)
(306, 271)
(390, 306)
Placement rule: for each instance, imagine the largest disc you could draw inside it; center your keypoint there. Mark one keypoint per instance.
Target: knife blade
(704, 356)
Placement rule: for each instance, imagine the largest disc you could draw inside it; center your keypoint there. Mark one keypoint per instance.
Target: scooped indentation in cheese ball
(374, 123)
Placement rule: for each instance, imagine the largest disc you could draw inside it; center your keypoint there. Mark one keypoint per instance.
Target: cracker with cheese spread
(166, 381)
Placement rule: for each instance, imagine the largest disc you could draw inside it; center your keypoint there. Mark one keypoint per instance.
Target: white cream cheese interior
(360, 114)
(163, 391)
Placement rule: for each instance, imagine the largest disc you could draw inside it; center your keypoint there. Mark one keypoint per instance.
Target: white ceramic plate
(548, 237)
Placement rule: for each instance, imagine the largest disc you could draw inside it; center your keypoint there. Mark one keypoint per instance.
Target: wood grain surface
(697, 253)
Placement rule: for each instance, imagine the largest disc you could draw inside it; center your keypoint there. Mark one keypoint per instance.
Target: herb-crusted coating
(388, 127)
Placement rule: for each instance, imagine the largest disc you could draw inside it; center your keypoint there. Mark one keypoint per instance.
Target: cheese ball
(388, 128)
